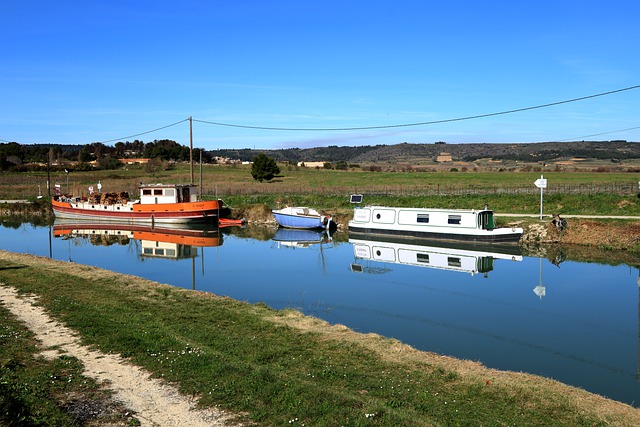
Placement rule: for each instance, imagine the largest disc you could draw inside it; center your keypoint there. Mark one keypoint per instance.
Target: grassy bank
(566, 204)
(279, 367)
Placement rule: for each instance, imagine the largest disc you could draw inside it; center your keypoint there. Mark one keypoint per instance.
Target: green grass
(38, 392)
(226, 180)
(234, 355)
(567, 204)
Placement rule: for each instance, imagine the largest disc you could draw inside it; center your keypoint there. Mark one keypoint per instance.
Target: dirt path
(154, 403)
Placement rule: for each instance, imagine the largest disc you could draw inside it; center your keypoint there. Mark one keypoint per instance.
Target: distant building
(135, 161)
(444, 157)
(312, 164)
(226, 161)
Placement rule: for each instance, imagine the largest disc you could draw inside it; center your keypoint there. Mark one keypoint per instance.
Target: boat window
(157, 192)
(171, 252)
(454, 262)
(455, 219)
(169, 192)
(148, 251)
(423, 258)
(146, 192)
(424, 218)
(160, 252)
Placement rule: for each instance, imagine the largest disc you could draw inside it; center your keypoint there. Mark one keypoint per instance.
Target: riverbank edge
(609, 412)
(609, 233)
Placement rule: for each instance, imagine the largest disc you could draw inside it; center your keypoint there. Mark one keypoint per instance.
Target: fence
(619, 188)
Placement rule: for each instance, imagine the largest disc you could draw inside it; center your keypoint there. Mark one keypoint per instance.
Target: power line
(517, 110)
(478, 116)
(598, 134)
(143, 133)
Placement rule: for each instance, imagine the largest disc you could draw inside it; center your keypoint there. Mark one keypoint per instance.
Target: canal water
(576, 322)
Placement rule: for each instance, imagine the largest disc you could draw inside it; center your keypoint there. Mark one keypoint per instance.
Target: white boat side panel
(384, 253)
(429, 218)
(410, 217)
(409, 256)
(157, 199)
(362, 251)
(384, 216)
(362, 215)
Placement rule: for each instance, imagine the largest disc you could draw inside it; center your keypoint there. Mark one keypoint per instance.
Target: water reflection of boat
(471, 259)
(174, 241)
(291, 237)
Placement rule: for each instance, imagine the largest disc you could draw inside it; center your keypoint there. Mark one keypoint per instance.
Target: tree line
(21, 157)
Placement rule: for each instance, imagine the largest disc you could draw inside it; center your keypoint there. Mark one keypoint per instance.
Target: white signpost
(541, 183)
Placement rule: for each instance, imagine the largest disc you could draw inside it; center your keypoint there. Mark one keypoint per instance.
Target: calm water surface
(574, 322)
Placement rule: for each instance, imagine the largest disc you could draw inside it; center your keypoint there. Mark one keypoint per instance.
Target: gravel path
(153, 402)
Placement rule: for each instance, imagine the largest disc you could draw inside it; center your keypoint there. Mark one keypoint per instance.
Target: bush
(264, 168)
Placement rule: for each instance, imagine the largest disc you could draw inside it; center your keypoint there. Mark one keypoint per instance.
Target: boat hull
(169, 213)
(297, 221)
(301, 218)
(510, 237)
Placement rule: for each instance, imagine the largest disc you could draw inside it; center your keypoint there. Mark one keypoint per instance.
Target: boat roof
(427, 209)
(165, 185)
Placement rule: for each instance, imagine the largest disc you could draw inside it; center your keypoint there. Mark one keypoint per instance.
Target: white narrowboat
(476, 226)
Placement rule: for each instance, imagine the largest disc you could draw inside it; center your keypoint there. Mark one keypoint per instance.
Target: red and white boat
(158, 203)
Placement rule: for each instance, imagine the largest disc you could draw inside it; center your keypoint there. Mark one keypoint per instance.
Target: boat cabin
(167, 250)
(482, 220)
(151, 194)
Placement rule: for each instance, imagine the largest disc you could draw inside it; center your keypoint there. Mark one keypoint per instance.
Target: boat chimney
(486, 206)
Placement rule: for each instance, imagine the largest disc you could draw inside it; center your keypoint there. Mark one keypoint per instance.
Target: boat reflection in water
(168, 241)
(298, 238)
(467, 258)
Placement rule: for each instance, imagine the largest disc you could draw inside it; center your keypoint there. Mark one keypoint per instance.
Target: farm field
(576, 192)
(237, 178)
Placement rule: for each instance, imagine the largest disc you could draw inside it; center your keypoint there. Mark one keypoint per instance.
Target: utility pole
(49, 171)
(191, 147)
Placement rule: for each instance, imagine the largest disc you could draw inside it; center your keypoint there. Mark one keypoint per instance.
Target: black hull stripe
(505, 238)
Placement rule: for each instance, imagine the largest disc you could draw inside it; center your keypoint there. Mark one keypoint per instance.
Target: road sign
(541, 182)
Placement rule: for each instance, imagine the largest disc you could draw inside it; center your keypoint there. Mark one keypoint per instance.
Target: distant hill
(410, 153)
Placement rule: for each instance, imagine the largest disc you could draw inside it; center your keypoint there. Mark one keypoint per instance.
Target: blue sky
(76, 72)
